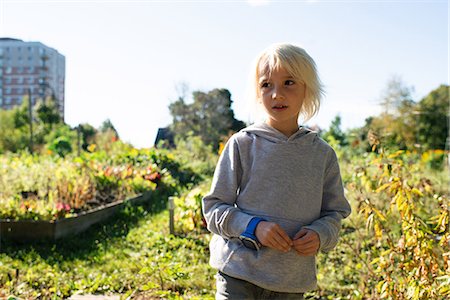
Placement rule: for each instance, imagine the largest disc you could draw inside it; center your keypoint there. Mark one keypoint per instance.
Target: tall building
(30, 67)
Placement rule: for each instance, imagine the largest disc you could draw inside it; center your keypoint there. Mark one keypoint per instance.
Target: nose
(277, 94)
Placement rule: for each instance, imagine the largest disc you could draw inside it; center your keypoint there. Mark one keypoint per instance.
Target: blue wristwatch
(248, 237)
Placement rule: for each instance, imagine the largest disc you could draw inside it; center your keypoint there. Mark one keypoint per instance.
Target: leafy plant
(188, 212)
(395, 245)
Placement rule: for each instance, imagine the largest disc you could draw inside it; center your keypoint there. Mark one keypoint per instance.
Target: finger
(273, 234)
(300, 234)
(282, 237)
(306, 253)
(313, 246)
(275, 240)
(307, 250)
(305, 241)
(308, 237)
(281, 243)
(272, 242)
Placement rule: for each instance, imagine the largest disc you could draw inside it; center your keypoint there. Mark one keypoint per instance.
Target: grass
(132, 254)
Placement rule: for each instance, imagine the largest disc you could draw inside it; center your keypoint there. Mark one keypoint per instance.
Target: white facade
(30, 66)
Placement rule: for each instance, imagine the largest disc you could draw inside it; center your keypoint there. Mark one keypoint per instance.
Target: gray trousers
(237, 289)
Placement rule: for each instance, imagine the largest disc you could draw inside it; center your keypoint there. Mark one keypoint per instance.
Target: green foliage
(84, 182)
(49, 131)
(47, 112)
(11, 138)
(193, 153)
(434, 159)
(107, 126)
(335, 132)
(433, 118)
(61, 145)
(210, 117)
(408, 125)
(87, 133)
(132, 255)
(395, 243)
(188, 209)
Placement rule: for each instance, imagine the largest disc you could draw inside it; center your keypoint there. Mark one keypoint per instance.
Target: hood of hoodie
(271, 134)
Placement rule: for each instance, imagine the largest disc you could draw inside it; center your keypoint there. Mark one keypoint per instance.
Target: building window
(8, 70)
(20, 80)
(8, 80)
(20, 70)
(30, 80)
(7, 91)
(7, 100)
(1, 101)
(31, 70)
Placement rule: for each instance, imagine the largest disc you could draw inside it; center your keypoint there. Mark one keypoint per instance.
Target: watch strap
(251, 227)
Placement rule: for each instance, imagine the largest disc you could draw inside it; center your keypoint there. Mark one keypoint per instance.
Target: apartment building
(30, 67)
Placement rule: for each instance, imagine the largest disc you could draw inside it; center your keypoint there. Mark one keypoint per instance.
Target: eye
(289, 82)
(265, 84)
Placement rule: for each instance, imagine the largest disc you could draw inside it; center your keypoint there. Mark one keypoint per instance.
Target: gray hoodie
(294, 182)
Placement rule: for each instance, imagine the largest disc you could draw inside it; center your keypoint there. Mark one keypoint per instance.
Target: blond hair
(297, 62)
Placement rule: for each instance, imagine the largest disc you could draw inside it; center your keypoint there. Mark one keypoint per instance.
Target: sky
(125, 59)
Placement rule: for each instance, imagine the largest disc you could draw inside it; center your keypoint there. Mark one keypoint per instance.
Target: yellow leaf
(378, 230)
(383, 187)
(379, 214)
(399, 152)
(417, 192)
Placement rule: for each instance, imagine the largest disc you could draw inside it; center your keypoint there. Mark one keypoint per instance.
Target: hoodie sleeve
(335, 207)
(221, 214)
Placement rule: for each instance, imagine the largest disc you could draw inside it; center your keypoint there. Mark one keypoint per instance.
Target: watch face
(250, 243)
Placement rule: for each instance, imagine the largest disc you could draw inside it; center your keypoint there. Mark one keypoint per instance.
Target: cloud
(258, 2)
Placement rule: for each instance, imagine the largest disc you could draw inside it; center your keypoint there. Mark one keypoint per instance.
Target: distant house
(166, 137)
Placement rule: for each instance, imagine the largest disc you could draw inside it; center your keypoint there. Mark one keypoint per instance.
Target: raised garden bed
(29, 230)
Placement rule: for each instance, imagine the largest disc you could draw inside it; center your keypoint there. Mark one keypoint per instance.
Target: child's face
(282, 97)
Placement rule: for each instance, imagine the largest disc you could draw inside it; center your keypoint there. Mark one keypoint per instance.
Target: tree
(88, 133)
(210, 116)
(108, 126)
(47, 112)
(11, 138)
(335, 132)
(433, 118)
(49, 130)
(61, 140)
(395, 94)
(396, 125)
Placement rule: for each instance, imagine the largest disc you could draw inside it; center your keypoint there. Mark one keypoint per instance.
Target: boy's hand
(306, 242)
(273, 236)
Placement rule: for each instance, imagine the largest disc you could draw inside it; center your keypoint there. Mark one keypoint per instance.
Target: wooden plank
(27, 230)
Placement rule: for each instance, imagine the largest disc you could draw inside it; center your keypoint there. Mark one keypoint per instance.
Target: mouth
(279, 107)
